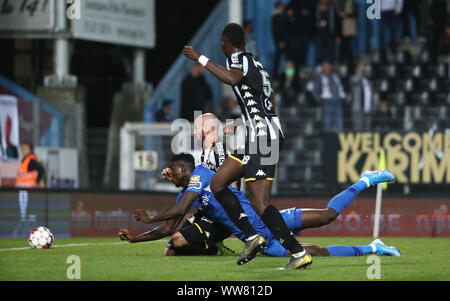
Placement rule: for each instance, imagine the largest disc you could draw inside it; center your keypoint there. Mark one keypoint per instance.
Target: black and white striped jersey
(253, 95)
(214, 156)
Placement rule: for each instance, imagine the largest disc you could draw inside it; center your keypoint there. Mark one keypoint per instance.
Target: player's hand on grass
(125, 234)
(191, 53)
(167, 174)
(141, 215)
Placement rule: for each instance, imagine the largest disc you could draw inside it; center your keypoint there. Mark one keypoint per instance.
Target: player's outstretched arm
(177, 211)
(230, 77)
(167, 229)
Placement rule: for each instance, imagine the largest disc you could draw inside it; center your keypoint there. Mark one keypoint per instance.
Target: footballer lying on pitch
(211, 225)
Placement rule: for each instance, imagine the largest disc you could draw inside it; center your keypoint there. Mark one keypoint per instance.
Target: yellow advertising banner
(414, 158)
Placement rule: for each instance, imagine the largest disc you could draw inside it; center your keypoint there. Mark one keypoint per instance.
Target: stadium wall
(87, 213)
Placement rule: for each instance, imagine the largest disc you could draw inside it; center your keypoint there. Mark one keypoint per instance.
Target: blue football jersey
(206, 202)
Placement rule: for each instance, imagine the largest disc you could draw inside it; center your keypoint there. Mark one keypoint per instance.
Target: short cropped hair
(30, 145)
(187, 159)
(235, 34)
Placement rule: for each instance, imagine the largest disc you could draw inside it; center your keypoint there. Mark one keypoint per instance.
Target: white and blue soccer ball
(41, 238)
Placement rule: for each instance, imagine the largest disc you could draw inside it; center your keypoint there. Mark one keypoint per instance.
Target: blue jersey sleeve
(179, 196)
(200, 179)
(196, 203)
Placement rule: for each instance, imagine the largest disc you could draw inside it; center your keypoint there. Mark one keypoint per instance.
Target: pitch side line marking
(87, 244)
(71, 245)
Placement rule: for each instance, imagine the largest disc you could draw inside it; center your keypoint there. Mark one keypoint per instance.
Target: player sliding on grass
(257, 159)
(208, 232)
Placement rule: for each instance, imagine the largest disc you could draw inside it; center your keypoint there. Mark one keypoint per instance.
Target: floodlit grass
(109, 259)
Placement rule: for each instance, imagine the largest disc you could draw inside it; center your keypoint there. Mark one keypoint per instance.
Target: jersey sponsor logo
(237, 66)
(207, 234)
(288, 211)
(209, 165)
(220, 153)
(261, 133)
(254, 111)
(260, 125)
(245, 160)
(257, 64)
(197, 185)
(194, 182)
(248, 95)
(235, 58)
(242, 215)
(194, 179)
(205, 200)
(268, 104)
(260, 173)
(205, 219)
(251, 102)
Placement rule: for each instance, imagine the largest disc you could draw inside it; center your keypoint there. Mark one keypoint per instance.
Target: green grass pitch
(106, 259)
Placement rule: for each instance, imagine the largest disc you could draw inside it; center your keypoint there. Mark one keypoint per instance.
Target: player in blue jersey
(211, 224)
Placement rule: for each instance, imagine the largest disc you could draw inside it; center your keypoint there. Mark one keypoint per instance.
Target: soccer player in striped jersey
(214, 150)
(257, 159)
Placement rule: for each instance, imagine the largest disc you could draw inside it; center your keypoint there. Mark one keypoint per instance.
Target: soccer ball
(41, 238)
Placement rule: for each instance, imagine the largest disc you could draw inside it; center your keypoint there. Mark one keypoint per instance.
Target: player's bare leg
(312, 218)
(177, 241)
(375, 247)
(230, 171)
(260, 194)
(315, 251)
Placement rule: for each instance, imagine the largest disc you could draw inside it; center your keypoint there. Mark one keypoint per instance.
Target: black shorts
(203, 233)
(258, 166)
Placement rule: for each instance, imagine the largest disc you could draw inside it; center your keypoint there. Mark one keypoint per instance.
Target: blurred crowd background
(336, 66)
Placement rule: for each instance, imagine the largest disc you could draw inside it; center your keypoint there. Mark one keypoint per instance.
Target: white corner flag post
(376, 224)
(380, 188)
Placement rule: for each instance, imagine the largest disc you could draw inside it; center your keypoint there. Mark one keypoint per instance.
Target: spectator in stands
(445, 48)
(279, 35)
(411, 18)
(304, 13)
(292, 35)
(196, 93)
(438, 17)
(289, 85)
(329, 93)
(325, 34)
(362, 100)
(348, 29)
(11, 149)
(163, 114)
(383, 117)
(250, 41)
(389, 25)
(231, 109)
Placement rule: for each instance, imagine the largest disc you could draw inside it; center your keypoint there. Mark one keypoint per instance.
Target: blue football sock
(349, 251)
(343, 199)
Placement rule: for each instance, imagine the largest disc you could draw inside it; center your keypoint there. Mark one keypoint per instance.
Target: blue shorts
(293, 219)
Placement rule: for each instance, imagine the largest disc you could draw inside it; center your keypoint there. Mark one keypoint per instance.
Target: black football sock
(235, 212)
(276, 224)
